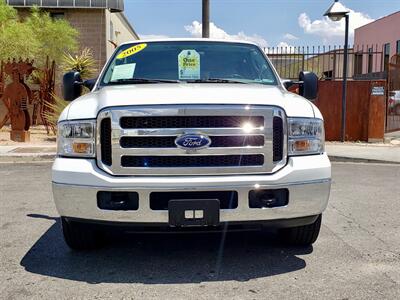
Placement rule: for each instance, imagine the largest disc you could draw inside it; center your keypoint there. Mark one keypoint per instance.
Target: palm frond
(83, 62)
(54, 109)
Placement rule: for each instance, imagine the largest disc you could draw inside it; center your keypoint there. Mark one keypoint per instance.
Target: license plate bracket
(193, 212)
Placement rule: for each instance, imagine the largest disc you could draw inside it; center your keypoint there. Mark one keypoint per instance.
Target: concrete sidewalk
(385, 153)
(363, 152)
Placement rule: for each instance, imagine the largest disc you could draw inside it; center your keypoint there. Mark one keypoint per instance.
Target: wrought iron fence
(364, 62)
(393, 102)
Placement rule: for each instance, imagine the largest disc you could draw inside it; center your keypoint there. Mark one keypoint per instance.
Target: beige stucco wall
(122, 32)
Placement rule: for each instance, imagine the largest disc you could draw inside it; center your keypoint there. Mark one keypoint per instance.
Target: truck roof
(191, 40)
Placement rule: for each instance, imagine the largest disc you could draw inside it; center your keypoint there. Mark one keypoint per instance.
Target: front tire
(80, 236)
(301, 235)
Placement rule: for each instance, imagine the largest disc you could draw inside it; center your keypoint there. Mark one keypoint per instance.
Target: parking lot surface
(357, 255)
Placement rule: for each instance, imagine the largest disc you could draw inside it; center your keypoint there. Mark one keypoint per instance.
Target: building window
(358, 58)
(398, 47)
(386, 56)
(112, 33)
(57, 15)
(370, 59)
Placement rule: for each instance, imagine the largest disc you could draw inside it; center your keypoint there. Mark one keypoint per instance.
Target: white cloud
(289, 36)
(195, 30)
(152, 36)
(333, 31)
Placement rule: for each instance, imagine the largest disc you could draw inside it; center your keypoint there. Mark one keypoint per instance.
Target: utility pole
(206, 19)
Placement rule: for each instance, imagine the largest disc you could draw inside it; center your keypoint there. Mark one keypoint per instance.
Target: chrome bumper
(77, 181)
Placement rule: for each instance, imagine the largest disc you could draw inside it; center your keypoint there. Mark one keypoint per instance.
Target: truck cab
(190, 134)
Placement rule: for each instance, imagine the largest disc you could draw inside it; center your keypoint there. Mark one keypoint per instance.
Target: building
(382, 35)
(101, 23)
(326, 63)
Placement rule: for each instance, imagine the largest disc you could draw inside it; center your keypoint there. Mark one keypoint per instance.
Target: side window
(358, 60)
(386, 49)
(370, 57)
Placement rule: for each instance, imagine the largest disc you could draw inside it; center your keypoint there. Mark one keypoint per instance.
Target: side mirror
(72, 85)
(308, 85)
(287, 83)
(90, 83)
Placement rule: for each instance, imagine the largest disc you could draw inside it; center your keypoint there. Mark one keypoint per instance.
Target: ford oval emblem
(192, 141)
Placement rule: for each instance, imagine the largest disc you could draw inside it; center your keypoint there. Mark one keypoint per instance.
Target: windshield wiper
(214, 80)
(141, 80)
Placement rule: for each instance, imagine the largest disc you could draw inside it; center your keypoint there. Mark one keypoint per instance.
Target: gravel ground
(357, 255)
(38, 137)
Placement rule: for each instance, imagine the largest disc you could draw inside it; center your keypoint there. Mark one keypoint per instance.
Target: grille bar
(277, 138)
(190, 122)
(192, 161)
(169, 141)
(105, 141)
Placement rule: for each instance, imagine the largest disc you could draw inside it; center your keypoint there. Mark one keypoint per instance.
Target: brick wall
(91, 24)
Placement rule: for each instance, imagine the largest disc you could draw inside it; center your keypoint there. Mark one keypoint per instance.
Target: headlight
(76, 138)
(306, 136)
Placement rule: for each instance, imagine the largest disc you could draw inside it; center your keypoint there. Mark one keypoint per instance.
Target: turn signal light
(83, 148)
(301, 145)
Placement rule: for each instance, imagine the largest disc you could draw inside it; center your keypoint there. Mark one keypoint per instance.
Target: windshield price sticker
(125, 71)
(189, 64)
(131, 51)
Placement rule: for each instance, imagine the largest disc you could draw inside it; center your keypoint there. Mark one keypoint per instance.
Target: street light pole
(344, 87)
(336, 12)
(206, 19)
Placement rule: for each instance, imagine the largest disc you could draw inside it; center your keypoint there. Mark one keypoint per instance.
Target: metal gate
(393, 99)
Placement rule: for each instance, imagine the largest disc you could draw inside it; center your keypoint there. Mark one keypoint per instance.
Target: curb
(49, 157)
(360, 160)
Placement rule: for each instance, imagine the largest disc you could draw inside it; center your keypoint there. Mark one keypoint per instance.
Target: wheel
(301, 235)
(80, 236)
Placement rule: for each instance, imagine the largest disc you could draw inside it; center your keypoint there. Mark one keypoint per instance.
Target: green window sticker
(189, 64)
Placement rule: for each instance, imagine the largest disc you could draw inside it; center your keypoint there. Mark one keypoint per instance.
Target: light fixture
(336, 11)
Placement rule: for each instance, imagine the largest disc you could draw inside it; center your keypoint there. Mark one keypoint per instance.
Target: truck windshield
(188, 62)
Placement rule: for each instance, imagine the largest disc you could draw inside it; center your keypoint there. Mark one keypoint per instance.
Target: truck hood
(88, 106)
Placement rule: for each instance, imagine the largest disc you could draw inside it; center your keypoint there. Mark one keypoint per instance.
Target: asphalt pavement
(357, 255)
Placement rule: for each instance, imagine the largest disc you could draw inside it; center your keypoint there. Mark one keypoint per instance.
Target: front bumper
(77, 181)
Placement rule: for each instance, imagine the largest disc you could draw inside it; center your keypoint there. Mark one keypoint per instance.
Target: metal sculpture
(16, 96)
(45, 97)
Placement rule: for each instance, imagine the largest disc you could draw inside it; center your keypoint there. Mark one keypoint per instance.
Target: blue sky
(267, 22)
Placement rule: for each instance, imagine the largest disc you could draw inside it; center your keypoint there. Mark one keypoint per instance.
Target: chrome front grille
(140, 140)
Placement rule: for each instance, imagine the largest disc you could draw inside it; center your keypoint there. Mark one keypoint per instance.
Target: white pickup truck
(190, 135)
